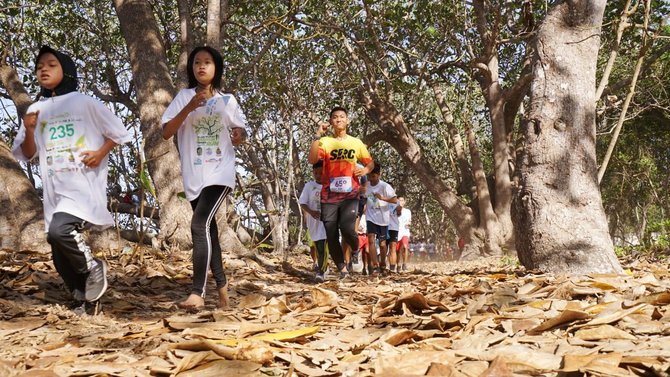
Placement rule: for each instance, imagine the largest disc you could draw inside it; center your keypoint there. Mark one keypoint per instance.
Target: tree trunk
(465, 185)
(214, 24)
(187, 40)
(278, 224)
(396, 133)
(22, 214)
(154, 93)
(560, 223)
(488, 219)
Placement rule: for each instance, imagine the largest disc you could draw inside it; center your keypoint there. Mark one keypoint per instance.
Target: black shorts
(344, 211)
(393, 236)
(379, 230)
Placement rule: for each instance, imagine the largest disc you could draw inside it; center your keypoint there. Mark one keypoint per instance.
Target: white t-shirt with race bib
(205, 149)
(394, 224)
(66, 126)
(311, 196)
(405, 219)
(378, 210)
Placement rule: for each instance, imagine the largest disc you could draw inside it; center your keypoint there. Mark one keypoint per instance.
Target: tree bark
(488, 219)
(465, 185)
(214, 24)
(154, 93)
(22, 214)
(187, 40)
(560, 223)
(395, 132)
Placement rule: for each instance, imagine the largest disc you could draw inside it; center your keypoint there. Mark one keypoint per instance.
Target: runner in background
(379, 194)
(310, 202)
(339, 194)
(404, 220)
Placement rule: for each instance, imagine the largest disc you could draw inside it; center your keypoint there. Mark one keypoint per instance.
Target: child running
(379, 194)
(310, 202)
(208, 123)
(404, 220)
(72, 134)
(340, 179)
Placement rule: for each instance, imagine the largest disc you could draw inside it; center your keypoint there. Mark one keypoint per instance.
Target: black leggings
(205, 234)
(71, 256)
(338, 217)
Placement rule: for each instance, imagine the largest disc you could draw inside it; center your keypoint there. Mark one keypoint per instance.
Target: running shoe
(78, 295)
(81, 308)
(96, 282)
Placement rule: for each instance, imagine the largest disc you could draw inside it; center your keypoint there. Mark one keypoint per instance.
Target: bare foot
(192, 302)
(223, 297)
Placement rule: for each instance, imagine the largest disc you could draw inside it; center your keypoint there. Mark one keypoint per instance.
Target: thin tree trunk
(622, 26)
(560, 223)
(187, 40)
(154, 93)
(465, 185)
(629, 97)
(487, 216)
(214, 24)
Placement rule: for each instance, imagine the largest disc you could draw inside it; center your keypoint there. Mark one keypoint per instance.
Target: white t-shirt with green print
(205, 149)
(66, 126)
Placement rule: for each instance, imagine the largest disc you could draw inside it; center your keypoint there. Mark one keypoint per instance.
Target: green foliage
(508, 261)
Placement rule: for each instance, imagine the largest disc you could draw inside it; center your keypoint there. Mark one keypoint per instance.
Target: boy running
(380, 194)
(340, 180)
(404, 220)
(310, 202)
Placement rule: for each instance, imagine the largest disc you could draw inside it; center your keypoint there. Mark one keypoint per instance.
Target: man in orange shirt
(340, 180)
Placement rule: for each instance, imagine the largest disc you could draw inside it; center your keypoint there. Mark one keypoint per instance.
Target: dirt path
(442, 318)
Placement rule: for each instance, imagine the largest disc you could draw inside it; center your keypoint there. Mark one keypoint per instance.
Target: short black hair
(218, 66)
(337, 108)
(377, 168)
(318, 164)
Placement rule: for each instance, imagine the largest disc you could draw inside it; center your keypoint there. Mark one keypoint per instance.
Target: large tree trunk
(154, 93)
(21, 214)
(560, 223)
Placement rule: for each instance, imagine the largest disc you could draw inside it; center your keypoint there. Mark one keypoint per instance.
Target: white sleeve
(177, 104)
(20, 138)
(390, 192)
(304, 196)
(16, 147)
(108, 123)
(235, 115)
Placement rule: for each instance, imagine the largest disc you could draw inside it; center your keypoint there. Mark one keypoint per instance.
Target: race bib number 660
(340, 184)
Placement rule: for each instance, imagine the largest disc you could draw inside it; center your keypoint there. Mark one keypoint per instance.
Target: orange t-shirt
(339, 162)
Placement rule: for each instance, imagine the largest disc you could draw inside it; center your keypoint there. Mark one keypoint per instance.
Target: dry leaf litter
(439, 319)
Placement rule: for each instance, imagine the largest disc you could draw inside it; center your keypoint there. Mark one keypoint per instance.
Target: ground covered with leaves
(479, 318)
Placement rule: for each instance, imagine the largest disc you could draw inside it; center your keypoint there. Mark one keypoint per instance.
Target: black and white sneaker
(96, 282)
